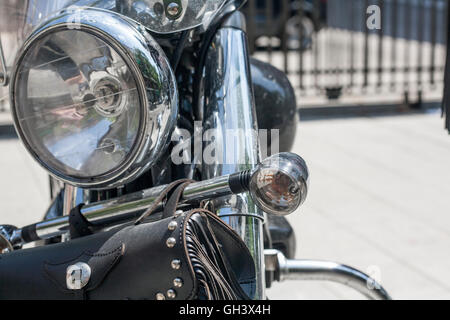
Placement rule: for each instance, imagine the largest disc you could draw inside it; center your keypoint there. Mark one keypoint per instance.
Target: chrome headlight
(93, 98)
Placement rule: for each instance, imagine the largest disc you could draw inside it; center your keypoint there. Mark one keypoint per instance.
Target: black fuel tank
(276, 105)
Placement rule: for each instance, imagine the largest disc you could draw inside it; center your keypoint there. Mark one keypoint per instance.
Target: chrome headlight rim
(140, 157)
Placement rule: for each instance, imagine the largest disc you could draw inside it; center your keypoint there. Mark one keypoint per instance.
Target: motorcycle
(294, 25)
(148, 114)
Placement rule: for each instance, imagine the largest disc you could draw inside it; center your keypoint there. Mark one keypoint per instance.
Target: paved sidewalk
(378, 201)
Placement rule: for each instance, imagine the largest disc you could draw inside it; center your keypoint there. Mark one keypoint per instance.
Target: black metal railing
(328, 50)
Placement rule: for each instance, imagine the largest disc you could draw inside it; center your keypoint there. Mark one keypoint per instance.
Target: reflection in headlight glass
(77, 103)
(152, 13)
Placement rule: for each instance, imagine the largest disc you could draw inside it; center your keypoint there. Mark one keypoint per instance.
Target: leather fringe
(215, 276)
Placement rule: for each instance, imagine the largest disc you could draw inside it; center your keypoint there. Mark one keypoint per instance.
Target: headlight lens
(77, 103)
(93, 111)
(280, 184)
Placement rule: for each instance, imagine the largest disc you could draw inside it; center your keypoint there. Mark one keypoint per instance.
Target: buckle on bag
(78, 276)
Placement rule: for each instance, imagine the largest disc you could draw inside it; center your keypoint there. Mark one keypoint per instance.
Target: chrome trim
(6, 232)
(121, 209)
(232, 206)
(212, 188)
(153, 73)
(280, 185)
(16, 239)
(73, 197)
(287, 269)
(100, 212)
(49, 229)
(229, 105)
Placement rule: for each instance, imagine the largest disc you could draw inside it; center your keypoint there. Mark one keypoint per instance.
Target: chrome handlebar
(125, 208)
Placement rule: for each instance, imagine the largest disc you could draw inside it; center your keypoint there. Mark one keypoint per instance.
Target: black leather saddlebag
(193, 255)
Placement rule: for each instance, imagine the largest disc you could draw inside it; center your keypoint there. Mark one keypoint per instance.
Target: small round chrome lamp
(279, 184)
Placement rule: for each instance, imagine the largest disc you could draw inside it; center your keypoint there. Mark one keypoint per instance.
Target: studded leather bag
(184, 255)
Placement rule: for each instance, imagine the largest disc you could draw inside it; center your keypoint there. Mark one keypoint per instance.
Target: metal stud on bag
(171, 242)
(172, 225)
(78, 276)
(177, 282)
(171, 294)
(175, 264)
(160, 296)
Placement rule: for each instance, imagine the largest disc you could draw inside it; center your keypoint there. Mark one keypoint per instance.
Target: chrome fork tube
(73, 197)
(228, 108)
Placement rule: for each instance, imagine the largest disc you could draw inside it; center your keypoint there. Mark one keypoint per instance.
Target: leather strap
(78, 224)
(165, 194)
(174, 199)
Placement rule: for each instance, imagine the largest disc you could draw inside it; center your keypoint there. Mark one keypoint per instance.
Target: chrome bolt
(173, 9)
(176, 264)
(171, 294)
(158, 8)
(173, 225)
(160, 296)
(77, 276)
(178, 282)
(171, 242)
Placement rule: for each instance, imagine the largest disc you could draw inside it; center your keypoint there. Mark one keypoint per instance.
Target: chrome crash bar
(128, 207)
(115, 211)
(287, 269)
